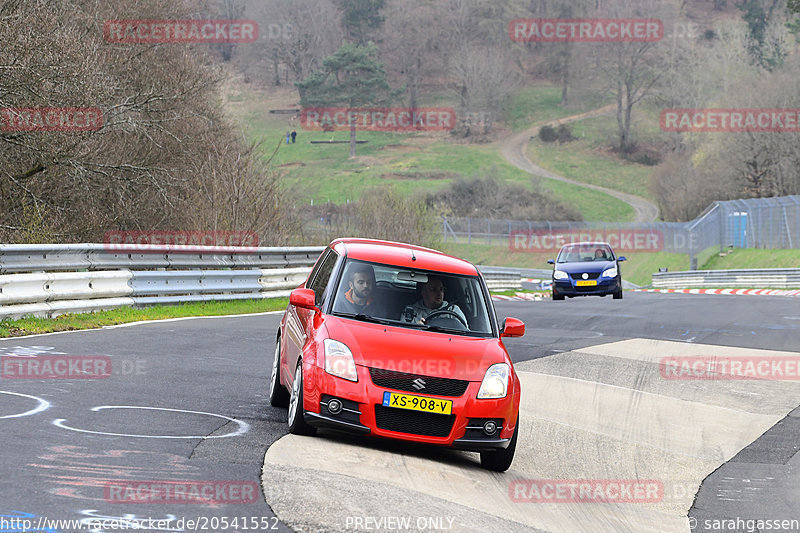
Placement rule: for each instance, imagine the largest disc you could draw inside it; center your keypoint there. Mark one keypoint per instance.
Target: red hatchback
(398, 341)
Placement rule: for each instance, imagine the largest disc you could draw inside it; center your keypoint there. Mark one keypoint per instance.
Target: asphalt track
(186, 404)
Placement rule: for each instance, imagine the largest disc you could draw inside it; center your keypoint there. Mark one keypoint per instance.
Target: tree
(163, 131)
(765, 46)
(560, 56)
(630, 69)
(360, 18)
(351, 77)
(297, 35)
(421, 44)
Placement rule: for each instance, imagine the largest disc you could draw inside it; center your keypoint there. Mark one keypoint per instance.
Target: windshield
(585, 252)
(416, 299)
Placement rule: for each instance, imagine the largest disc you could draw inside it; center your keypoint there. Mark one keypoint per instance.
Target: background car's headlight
(610, 272)
(339, 360)
(559, 274)
(495, 382)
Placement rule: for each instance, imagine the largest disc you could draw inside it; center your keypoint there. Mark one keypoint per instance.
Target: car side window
(323, 275)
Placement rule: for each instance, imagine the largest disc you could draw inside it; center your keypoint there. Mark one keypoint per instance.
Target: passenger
(359, 298)
(432, 299)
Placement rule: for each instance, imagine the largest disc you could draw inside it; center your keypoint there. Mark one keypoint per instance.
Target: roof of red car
(404, 255)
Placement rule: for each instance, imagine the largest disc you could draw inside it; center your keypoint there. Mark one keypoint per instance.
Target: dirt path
(514, 150)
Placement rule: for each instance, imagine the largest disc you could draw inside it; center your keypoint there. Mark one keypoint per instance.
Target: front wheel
(557, 296)
(278, 396)
(618, 294)
(297, 422)
(500, 460)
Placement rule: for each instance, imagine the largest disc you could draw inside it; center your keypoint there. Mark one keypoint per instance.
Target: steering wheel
(442, 312)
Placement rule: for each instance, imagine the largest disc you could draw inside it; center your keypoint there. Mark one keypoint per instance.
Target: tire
(500, 460)
(618, 294)
(557, 296)
(278, 395)
(297, 422)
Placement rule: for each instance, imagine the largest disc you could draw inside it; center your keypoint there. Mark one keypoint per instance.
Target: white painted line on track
(244, 427)
(43, 405)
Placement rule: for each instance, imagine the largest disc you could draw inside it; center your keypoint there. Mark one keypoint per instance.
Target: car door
(299, 325)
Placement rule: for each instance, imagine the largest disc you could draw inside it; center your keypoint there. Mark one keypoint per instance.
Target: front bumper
(604, 286)
(363, 413)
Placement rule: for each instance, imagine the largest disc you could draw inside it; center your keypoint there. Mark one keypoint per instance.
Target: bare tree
(630, 70)
(421, 44)
(160, 116)
(297, 34)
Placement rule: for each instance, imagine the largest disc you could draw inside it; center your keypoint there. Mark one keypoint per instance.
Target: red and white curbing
(521, 296)
(750, 292)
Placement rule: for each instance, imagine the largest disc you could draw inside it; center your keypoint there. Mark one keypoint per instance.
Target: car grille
(592, 275)
(424, 384)
(413, 422)
(592, 288)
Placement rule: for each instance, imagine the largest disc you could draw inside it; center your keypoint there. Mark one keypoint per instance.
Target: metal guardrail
(53, 293)
(89, 256)
(34, 279)
(763, 278)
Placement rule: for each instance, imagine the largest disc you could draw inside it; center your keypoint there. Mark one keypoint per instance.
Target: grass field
(124, 315)
(410, 162)
(754, 258)
(588, 160)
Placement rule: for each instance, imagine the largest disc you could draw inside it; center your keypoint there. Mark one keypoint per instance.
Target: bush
(384, 213)
(548, 134)
(564, 133)
(489, 197)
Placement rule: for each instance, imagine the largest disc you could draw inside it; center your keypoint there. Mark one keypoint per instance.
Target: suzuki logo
(585, 275)
(418, 384)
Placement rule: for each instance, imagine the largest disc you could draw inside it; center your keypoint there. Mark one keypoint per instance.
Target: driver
(432, 300)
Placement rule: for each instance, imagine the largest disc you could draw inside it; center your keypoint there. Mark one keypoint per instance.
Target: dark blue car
(586, 269)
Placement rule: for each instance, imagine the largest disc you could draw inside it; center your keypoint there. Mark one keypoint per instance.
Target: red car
(398, 341)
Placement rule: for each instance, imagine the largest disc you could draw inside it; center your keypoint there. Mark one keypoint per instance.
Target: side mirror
(303, 298)
(621, 258)
(551, 262)
(513, 327)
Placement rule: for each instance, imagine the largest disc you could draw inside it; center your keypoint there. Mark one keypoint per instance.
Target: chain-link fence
(754, 223)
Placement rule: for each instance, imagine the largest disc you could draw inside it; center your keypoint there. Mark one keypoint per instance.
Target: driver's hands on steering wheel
(449, 312)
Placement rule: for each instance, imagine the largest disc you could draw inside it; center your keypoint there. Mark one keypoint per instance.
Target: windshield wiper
(446, 330)
(364, 318)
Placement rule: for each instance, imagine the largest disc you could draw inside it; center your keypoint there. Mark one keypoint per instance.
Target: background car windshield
(585, 252)
(394, 289)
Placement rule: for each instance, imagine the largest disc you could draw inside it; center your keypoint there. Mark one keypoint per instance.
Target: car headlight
(495, 381)
(610, 272)
(339, 360)
(559, 274)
